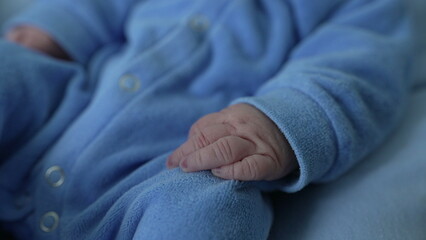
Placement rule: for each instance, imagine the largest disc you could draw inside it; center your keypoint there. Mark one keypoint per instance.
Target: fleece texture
(333, 76)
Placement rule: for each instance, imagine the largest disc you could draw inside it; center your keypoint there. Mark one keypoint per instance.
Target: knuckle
(179, 152)
(201, 139)
(194, 143)
(197, 162)
(251, 170)
(224, 150)
(234, 172)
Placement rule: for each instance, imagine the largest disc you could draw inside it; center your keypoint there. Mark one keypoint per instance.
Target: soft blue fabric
(381, 198)
(333, 75)
(10, 7)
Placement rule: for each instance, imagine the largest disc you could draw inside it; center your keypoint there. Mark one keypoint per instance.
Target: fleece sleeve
(79, 26)
(342, 89)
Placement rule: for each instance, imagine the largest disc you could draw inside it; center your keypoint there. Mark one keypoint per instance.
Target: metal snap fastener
(199, 23)
(129, 83)
(49, 221)
(55, 176)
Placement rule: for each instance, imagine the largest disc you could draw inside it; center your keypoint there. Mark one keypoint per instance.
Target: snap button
(199, 23)
(129, 83)
(49, 221)
(55, 176)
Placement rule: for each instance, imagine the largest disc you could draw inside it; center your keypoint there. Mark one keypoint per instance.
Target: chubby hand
(35, 39)
(239, 143)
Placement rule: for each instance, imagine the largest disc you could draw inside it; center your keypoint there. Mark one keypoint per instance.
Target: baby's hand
(36, 39)
(240, 143)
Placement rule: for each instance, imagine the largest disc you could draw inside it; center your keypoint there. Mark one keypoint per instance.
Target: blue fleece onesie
(83, 144)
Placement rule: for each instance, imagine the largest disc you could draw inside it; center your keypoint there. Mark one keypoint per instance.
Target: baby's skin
(239, 142)
(36, 39)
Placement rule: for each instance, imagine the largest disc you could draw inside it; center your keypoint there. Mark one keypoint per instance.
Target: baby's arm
(239, 142)
(340, 93)
(79, 27)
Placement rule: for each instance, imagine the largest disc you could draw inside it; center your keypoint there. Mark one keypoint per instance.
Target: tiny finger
(198, 141)
(252, 168)
(223, 152)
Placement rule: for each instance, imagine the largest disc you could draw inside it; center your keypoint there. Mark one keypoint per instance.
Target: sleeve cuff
(62, 25)
(306, 127)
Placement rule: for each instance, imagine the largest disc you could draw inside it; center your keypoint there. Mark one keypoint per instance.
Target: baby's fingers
(197, 141)
(252, 168)
(223, 152)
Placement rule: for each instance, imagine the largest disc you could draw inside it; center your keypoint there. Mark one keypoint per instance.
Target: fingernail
(216, 171)
(170, 162)
(184, 164)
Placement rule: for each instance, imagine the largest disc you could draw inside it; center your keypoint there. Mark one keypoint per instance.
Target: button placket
(55, 177)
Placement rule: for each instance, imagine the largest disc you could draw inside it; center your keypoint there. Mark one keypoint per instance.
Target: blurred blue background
(9, 7)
